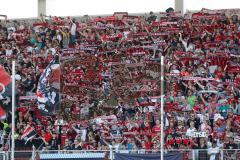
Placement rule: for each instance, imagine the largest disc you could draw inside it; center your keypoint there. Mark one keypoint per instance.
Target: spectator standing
(213, 151)
(202, 153)
(54, 142)
(73, 31)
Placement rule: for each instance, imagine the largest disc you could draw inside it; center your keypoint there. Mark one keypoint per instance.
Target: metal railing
(184, 154)
(3, 156)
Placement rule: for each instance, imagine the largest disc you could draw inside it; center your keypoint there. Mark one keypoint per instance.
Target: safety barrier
(177, 154)
(3, 156)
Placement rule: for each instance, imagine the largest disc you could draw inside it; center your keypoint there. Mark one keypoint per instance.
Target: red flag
(2, 113)
(28, 134)
(5, 78)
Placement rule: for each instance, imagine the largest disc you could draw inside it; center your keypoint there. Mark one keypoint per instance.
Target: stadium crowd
(110, 81)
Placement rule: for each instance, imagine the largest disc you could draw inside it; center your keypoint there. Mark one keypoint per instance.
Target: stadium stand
(110, 82)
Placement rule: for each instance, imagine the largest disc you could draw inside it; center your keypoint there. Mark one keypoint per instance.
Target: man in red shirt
(157, 127)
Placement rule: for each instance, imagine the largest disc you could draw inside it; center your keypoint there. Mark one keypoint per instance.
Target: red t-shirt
(37, 112)
(170, 142)
(170, 131)
(186, 141)
(63, 138)
(44, 121)
(78, 71)
(219, 74)
(38, 129)
(147, 130)
(23, 110)
(148, 145)
(47, 137)
(157, 129)
(86, 146)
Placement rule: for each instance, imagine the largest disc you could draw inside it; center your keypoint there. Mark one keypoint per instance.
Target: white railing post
(221, 153)
(4, 156)
(33, 152)
(13, 111)
(7, 155)
(162, 108)
(111, 153)
(193, 154)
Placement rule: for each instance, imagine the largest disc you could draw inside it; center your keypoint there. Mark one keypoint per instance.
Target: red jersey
(63, 138)
(47, 137)
(157, 129)
(23, 110)
(148, 145)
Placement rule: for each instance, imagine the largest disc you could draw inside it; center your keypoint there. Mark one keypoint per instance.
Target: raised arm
(44, 141)
(205, 103)
(124, 139)
(74, 128)
(183, 42)
(201, 86)
(185, 85)
(138, 139)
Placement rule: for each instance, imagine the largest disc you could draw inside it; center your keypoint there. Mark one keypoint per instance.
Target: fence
(178, 154)
(185, 154)
(18, 155)
(3, 156)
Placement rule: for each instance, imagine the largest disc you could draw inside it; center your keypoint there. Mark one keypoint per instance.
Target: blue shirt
(129, 146)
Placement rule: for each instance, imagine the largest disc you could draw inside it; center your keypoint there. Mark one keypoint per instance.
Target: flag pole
(13, 111)
(162, 110)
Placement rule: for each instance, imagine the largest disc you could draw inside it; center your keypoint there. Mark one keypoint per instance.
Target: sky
(28, 8)
(211, 4)
(98, 7)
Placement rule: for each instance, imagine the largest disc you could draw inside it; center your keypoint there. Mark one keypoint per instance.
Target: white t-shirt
(85, 110)
(29, 49)
(2, 137)
(217, 116)
(59, 37)
(126, 34)
(151, 108)
(220, 145)
(175, 71)
(201, 117)
(13, 29)
(73, 29)
(212, 152)
(83, 133)
(53, 51)
(203, 127)
(115, 147)
(9, 52)
(98, 120)
(188, 48)
(166, 122)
